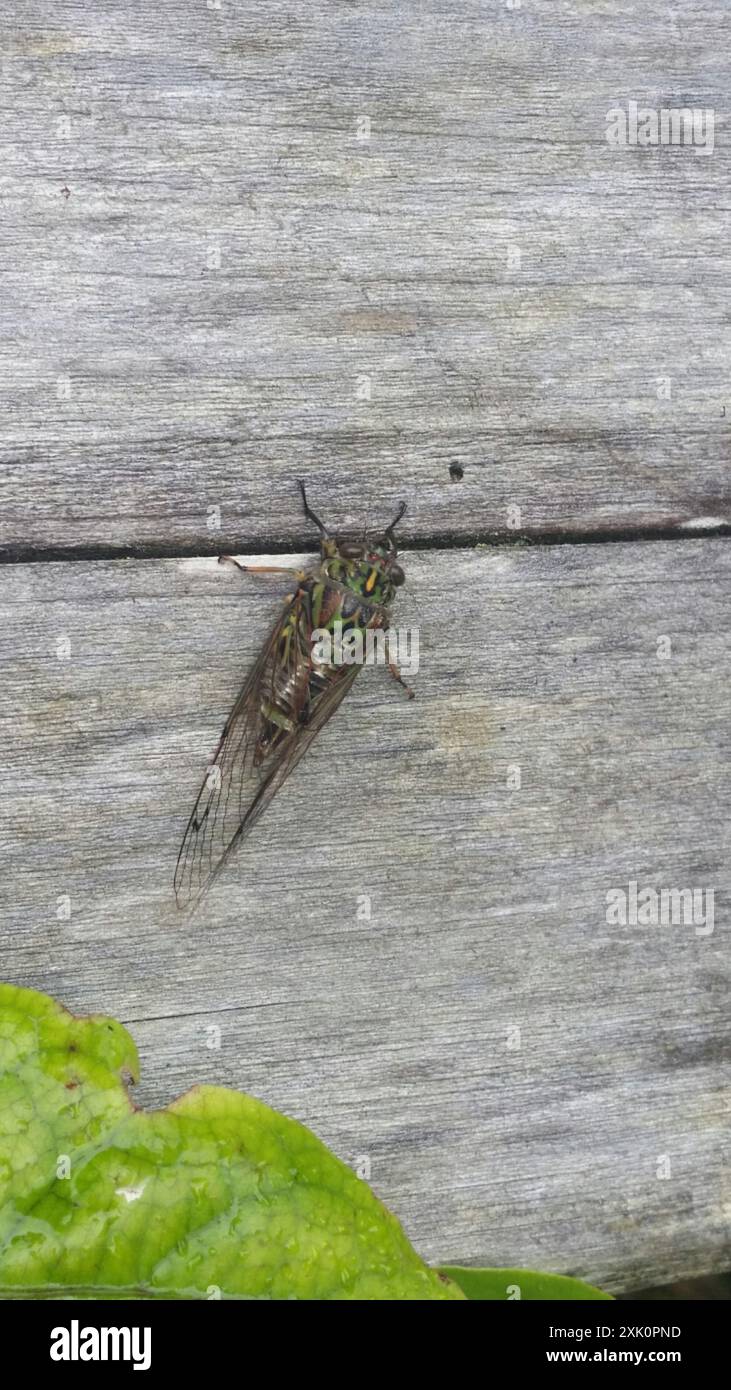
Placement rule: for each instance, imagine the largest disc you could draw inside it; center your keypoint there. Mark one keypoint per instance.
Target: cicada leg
(393, 668)
(299, 575)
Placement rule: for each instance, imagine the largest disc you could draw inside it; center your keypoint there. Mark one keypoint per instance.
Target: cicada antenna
(311, 516)
(388, 533)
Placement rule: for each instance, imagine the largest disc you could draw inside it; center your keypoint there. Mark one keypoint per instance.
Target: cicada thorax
(363, 574)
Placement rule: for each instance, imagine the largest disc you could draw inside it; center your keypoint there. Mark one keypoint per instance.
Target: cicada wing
(296, 744)
(232, 778)
(238, 788)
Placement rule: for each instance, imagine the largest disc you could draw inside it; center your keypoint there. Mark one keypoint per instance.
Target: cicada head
(369, 568)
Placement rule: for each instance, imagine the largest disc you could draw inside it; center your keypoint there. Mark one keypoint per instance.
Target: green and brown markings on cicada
(288, 696)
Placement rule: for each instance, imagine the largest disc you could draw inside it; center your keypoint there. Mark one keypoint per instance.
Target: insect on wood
(289, 695)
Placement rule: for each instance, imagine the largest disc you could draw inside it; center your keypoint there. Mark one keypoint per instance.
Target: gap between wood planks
(301, 544)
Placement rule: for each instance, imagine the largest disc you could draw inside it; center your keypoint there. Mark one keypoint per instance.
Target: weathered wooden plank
(213, 281)
(394, 1037)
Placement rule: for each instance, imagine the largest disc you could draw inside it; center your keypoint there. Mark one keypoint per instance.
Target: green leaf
(506, 1284)
(216, 1196)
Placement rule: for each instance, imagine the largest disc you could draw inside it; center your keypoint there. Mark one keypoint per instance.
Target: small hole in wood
(456, 472)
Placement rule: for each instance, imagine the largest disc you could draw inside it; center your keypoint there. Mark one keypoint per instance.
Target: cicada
(289, 695)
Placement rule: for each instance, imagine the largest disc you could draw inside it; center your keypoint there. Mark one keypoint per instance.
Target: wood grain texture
(211, 282)
(391, 1036)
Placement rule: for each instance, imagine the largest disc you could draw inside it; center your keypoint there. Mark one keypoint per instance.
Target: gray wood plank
(211, 282)
(595, 1146)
